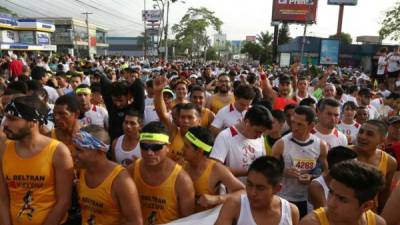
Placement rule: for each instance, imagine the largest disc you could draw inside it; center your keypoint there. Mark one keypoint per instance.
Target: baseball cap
(394, 119)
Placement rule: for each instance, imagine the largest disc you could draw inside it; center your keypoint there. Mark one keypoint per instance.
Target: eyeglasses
(152, 147)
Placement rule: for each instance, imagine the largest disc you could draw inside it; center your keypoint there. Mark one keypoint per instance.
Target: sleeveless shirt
(246, 217)
(31, 184)
(97, 205)
(323, 219)
(159, 203)
(216, 104)
(176, 148)
(125, 157)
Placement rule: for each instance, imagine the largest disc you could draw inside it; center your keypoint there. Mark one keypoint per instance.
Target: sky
(240, 17)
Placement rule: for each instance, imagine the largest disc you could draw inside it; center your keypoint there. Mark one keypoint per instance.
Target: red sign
(296, 11)
(93, 41)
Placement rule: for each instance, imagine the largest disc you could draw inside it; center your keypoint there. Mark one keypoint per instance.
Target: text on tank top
(31, 188)
(246, 217)
(97, 204)
(216, 104)
(159, 203)
(176, 148)
(323, 219)
(123, 157)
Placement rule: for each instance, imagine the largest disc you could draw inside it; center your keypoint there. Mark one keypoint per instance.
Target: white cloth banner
(202, 218)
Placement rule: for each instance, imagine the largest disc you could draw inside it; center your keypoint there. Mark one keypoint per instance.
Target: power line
(29, 9)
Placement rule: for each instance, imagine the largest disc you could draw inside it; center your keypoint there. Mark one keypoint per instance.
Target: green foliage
(211, 54)
(253, 49)
(284, 34)
(344, 38)
(190, 32)
(390, 26)
(262, 49)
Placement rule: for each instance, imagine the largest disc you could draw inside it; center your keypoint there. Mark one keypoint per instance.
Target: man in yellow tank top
(391, 211)
(351, 196)
(188, 116)
(207, 174)
(371, 135)
(166, 191)
(36, 171)
(107, 193)
(224, 96)
(198, 97)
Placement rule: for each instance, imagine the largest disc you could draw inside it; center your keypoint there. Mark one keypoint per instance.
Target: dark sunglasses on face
(153, 147)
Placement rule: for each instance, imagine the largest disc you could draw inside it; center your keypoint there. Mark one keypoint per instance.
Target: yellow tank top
(159, 203)
(216, 104)
(323, 219)
(176, 148)
(201, 184)
(268, 148)
(205, 117)
(31, 188)
(383, 168)
(97, 204)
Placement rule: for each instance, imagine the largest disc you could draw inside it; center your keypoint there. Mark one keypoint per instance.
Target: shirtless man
(260, 205)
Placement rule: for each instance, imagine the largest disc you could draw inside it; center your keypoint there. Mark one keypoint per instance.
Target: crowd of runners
(118, 141)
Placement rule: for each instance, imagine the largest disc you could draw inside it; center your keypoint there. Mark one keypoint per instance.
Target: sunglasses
(152, 147)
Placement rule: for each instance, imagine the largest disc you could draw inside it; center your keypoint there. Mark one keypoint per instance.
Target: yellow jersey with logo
(97, 205)
(31, 184)
(323, 219)
(159, 203)
(216, 104)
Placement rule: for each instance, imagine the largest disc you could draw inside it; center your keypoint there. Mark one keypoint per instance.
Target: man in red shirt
(15, 67)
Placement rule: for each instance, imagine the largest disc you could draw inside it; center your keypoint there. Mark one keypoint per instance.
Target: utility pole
(166, 34)
(145, 32)
(88, 30)
(340, 20)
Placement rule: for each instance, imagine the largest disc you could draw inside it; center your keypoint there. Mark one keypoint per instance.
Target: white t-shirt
(349, 130)
(335, 138)
(381, 65)
(227, 117)
(95, 116)
(382, 109)
(124, 157)
(53, 95)
(150, 115)
(385, 93)
(373, 113)
(235, 150)
(393, 62)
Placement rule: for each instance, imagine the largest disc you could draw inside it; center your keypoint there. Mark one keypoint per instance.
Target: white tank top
(125, 157)
(325, 187)
(303, 156)
(246, 218)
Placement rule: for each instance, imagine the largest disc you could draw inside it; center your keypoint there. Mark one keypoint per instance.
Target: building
(71, 36)
(354, 55)
(126, 46)
(27, 35)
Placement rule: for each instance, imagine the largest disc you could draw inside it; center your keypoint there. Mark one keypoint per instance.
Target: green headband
(83, 90)
(198, 142)
(154, 137)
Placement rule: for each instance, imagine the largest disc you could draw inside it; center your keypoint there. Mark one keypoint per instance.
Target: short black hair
(70, 101)
(393, 95)
(33, 85)
(270, 167)
(289, 107)
(155, 127)
(365, 180)
(323, 103)
(204, 135)
(259, 116)
(19, 86)
(339, 154)
(244, 91)
(119, 88)
(308, 102)
(190, 106)
(279, 115)
(267, 104)
(38, 72)
(95, 88)
(350, 104)
(307, 112)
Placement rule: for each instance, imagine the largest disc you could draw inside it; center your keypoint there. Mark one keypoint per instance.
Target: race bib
(304, 163)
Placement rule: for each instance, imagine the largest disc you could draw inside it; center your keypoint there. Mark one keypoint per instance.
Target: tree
(253, 49)
(391, 24)
(211, 54)
(284, 34)
(265, 40)
(191, 31)
(344, 38)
